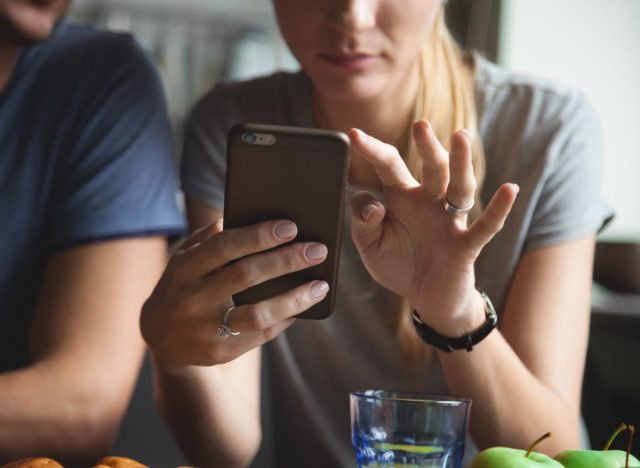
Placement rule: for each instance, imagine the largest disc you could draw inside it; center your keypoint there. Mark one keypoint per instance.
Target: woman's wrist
(168, 369)
(470, 318)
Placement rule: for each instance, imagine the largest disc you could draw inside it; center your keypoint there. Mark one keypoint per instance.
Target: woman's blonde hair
(446, 98)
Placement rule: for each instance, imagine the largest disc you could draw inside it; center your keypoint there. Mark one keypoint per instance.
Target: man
(86, 203)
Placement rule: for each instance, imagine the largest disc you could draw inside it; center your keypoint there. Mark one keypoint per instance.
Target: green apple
(505, 457)
(595, 459)
(601, 458)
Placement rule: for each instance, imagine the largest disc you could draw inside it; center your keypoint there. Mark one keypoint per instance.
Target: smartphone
(299, 174)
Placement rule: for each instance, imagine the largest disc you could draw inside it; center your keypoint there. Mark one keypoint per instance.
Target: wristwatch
(448, 344)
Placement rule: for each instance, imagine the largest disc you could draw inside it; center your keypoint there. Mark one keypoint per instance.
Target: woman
(378, 66)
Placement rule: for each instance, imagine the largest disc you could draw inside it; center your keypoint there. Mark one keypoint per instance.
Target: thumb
(367, 216)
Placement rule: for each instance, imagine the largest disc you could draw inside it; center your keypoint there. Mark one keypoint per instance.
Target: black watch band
(448, 344)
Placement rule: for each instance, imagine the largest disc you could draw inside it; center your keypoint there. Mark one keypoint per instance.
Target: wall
(595, 46)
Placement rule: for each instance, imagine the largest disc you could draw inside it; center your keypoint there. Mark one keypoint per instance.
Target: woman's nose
(353, 15)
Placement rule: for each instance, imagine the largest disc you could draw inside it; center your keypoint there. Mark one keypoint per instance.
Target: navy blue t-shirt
(85, 155)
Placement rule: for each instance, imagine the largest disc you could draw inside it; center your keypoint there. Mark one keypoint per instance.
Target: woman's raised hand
(180, 320)
(411, 244)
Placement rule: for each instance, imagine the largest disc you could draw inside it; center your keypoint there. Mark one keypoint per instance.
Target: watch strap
(468, 341)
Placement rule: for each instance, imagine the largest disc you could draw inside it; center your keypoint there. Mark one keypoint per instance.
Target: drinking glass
(404, 429)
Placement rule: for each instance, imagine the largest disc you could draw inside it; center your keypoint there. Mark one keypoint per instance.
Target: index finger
(232, 244)
(386, 160)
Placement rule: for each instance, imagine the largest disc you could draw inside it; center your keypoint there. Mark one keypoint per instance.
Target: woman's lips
(355, 61)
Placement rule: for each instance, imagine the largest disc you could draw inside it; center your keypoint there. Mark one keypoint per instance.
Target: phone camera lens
(249, 138)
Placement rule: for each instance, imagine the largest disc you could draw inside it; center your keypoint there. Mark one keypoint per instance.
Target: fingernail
(517, 187)
(319, 289)
(360, 133)
(315, 252)
(427, 125)
(285, 230)
(367, 210)
(465, 132)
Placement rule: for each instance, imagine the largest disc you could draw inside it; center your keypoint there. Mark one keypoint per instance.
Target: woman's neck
(387, 117)
(8, 56)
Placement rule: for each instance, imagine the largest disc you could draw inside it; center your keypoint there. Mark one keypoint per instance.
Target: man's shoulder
(84, 68)
(84, 38)
(77, 48)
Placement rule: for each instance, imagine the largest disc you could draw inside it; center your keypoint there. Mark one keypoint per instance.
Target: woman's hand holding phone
(181, 318)
(411, 244)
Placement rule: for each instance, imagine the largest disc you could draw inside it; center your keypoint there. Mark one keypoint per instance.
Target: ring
(225, 329)
(454, 210)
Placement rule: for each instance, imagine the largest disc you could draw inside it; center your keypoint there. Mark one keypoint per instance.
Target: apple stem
(536, 442)
(618, 430)
(632, 429)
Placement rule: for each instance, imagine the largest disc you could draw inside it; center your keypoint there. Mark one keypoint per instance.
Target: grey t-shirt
(543, 137)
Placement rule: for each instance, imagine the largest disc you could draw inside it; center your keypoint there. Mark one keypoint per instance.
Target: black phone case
(301, 177)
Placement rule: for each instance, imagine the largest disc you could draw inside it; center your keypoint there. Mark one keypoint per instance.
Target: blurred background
(589, 44)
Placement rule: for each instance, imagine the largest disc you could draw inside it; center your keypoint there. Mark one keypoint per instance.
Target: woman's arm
(213, 412)
(526, 379)
(208, 386)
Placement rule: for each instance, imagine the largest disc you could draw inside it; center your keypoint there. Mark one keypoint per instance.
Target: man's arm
(86, 351)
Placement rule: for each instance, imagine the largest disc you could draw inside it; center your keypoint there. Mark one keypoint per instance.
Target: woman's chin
(353, 90)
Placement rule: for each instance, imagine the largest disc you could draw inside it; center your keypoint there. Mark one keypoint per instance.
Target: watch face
(489, 310)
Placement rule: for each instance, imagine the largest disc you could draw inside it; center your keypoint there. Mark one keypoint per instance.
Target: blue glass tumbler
(403, 429)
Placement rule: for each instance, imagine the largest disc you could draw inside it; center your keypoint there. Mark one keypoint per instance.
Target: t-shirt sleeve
(203, 164)
(118, 179)
(278, 99)
(571, 203)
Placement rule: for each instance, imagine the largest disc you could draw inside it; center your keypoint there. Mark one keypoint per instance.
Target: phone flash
(263, 139)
